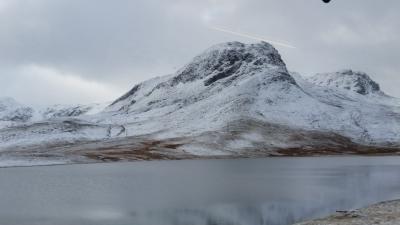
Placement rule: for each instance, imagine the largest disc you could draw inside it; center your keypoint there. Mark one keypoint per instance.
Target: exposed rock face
(127, 95)
(232, 59)
(358, 82)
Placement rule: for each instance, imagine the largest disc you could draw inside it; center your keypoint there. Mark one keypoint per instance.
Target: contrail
(252, 37)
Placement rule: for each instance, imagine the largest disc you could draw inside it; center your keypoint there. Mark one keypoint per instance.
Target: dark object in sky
(326, 1)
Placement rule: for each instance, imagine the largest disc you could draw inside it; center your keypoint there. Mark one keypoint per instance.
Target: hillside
(233, 100)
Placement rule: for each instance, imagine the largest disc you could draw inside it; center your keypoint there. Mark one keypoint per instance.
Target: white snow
(354, 81)
(5, 162)
(227, 83)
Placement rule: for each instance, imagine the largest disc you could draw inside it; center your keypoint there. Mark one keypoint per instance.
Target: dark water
(274, 191)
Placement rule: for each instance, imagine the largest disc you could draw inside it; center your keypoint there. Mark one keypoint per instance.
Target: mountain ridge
(13, 113)
(233, 100)
(348, 79)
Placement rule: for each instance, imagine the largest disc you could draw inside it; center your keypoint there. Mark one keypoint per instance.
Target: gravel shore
(386, 213)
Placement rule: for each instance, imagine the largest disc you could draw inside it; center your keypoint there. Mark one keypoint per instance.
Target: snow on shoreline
(385, 213)
(7, 163)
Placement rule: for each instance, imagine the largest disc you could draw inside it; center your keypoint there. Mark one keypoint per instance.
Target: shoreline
(385, 213)
(93, 162)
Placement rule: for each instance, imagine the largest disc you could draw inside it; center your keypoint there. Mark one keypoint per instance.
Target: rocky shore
(386, 213)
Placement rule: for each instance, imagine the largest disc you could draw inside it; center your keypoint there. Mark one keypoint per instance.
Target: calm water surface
(275, 191)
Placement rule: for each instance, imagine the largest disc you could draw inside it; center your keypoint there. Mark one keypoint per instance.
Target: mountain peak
(11, 110)
(7, 102)
(258, 49)
(226, 59)
(219, 67)
(355, 81)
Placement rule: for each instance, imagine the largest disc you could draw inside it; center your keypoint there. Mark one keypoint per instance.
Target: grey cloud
(119, 43)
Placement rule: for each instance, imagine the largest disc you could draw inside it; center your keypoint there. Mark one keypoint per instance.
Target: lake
(273, 191)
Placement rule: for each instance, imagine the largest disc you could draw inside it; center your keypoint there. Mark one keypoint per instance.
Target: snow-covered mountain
(14, 113)
(11, 112)
(358, 82)
(217, 87)
(234, 99)
(234, 81)
(62, 111)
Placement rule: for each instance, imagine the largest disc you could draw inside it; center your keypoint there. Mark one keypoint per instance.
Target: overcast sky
(80, 51)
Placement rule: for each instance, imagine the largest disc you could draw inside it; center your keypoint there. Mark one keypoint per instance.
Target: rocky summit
(358, 82)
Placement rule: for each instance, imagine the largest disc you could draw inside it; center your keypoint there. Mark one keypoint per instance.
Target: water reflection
(218, 192)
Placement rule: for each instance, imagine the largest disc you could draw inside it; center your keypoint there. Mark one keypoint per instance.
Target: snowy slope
(358, 82)
(15, 113)
(369, 117)
(233, 81)
(22, 126)
(60, 111)
(213, 89)
(11, 112)
(233, 99)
